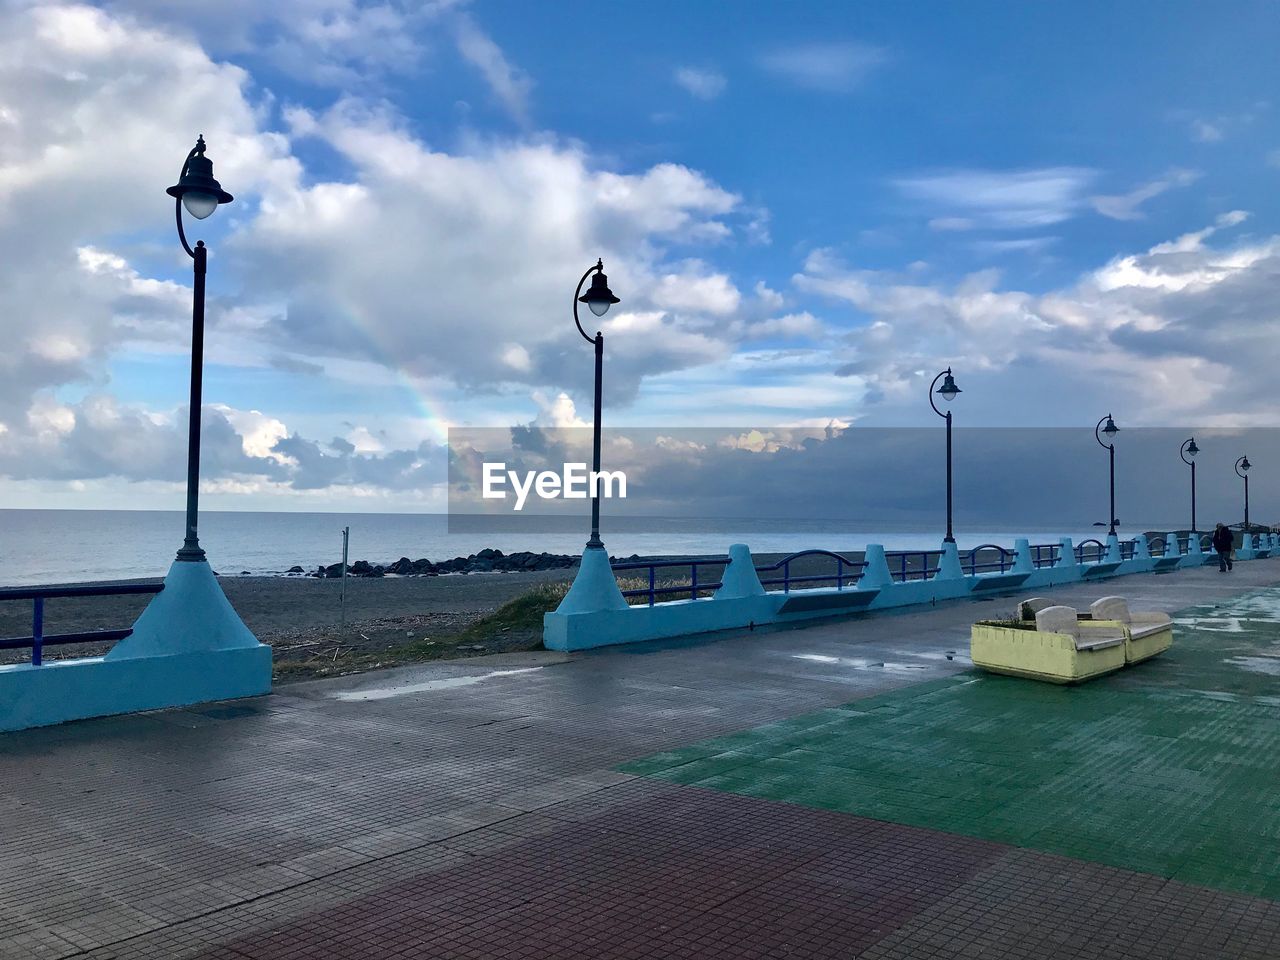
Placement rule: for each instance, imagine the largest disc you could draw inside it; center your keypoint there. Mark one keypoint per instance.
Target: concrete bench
(1147, 633)
(1061, 648)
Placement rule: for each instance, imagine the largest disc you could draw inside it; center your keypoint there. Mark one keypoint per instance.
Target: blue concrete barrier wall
(188, 646)
(742, 603)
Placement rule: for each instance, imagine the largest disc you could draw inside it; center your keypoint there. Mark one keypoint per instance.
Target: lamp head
(599, 297)
(1245, 464)
(199, 192)
(1110, 429)
(1192, 449)
(948, 390)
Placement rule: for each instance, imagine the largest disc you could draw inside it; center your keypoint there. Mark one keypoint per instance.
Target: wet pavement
(483, 809)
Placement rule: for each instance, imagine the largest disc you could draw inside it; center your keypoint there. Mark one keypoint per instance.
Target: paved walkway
(526, 807)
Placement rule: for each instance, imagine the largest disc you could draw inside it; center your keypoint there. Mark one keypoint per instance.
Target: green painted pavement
(1170, 767)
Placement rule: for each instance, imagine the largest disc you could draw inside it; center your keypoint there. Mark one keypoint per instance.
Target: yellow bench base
(1147, 644)
(1051, 657)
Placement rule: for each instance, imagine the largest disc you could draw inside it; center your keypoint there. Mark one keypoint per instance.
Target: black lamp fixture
(1188, 453)
(1107, 427)
(1242, 471)
(201, 194)
(599, 298)
(948, 392)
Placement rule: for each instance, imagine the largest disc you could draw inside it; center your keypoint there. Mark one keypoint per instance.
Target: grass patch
(514, 626)
(523, 615)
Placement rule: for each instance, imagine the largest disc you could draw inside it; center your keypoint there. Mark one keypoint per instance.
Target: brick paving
(477, 810)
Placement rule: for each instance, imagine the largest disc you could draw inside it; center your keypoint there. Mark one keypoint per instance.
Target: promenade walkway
(844, 790)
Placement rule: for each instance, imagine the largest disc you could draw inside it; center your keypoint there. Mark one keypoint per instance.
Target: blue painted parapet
(188, 646)
(887, 580)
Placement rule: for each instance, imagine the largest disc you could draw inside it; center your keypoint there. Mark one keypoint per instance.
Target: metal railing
(1003, 561)
(652, 591)
(38, 595)
(1158, 547)
(1100, 550)
(1045, 554)
(1128, 549)
(840, 577)
(906, 571)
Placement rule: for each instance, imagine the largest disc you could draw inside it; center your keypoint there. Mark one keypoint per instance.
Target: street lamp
(1188, 452)
(1110, 430)
(1242, 471)
(201, 194)
(599, 298)
(948, 392)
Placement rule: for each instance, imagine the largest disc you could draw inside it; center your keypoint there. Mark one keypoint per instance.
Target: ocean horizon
(60, 546)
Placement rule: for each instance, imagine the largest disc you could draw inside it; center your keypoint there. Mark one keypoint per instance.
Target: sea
(70, 546)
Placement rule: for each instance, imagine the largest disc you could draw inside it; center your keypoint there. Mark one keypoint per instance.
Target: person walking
(1223, 541)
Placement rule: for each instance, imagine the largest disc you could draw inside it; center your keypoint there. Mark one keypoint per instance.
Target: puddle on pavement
(1212, 624)
(1267, 665)
(426, 686)
(857, 663)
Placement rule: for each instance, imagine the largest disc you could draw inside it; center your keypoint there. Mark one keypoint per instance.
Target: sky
(807, 209)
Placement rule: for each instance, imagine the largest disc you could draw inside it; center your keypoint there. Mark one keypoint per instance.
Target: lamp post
(948, 392)
(599, 298)
(1110, 430)
(1188, 452)
(1242, 471)
(201, 194)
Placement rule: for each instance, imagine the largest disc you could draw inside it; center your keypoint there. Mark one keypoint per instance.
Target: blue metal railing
(1002, 562)
(38, 595)
(840, 577)
(1100, 550)
(906, 570)
(652, 591)
(1128, 549)
(1045, 554)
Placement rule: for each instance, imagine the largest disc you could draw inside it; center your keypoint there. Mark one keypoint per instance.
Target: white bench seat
(1147, 633)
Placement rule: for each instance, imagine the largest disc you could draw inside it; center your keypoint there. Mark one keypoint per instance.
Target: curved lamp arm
(598, 268)
(1182, 451)
(1098, 437)
(931, 389)
(177, 205)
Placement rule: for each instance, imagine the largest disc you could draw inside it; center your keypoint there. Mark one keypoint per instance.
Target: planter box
(1052, 657)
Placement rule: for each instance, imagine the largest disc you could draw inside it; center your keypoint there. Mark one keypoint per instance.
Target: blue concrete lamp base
(188, 646)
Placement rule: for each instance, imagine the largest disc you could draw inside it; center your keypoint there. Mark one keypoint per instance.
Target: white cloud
(792, 326)
(557, 412)
(499, 235)
(946, 224)
(509, 84)
(1206, 132)
(999, 199)
(332, 43)
(828, 66)
(1125, 206)
(86, 92)
(695, 290)
(704, 84)
(1182, 330)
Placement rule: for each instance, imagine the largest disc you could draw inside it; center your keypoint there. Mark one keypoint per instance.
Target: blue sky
(808, 209)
